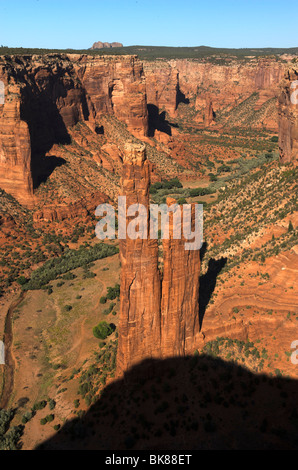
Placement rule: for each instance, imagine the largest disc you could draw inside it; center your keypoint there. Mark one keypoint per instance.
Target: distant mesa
(106, 45)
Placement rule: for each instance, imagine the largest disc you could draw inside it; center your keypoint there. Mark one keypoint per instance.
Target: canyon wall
(115, 85)
(288, 117)
(224, 85)
(158, 314)
(45, 96)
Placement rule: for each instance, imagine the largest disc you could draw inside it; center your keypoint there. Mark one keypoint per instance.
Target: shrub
(167, 184)
(50, 418)
(39, 405)
(69, 277)
(113, 292)
(22, 281)
(224, 169)
(182, 201)
(195, 192)
(109, 310)
(27, 417)
(212, 177)
(52, 404)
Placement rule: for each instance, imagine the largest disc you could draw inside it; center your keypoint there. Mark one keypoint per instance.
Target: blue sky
(78, 24)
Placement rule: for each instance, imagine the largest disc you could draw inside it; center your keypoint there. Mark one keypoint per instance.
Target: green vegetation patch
(70, 260)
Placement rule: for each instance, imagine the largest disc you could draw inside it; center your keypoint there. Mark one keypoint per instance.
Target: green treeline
(70, 260)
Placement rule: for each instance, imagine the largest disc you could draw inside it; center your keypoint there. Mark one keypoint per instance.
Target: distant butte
(106, 45)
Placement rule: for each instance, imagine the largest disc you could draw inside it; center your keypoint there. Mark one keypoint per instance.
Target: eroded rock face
(158, 318)
(162, 83)
(106, 45)
(172, 82)
(209, 113)
(139, 327)
(180, 295)
(46, 96)
(116, 85)
(288, 117)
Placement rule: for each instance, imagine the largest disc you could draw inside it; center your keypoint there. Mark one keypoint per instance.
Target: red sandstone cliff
(157, 319)
(15, 149)
(288, 117)
(115, 85)
(45, 96)
(180, 296)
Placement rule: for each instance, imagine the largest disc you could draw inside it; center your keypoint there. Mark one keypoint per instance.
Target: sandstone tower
(288, 117)
(159, 314)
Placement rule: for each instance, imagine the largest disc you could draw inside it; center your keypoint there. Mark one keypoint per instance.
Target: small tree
(103, 330)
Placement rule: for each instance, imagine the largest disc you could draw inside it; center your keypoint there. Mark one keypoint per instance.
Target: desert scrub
(70, 260)
(238, 351)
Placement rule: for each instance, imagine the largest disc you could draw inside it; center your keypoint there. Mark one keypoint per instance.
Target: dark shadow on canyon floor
(189, 403)
(208, 282)
(44, 168)
(158, 121)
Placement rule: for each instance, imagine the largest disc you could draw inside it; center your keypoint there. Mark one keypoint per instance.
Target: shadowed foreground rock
(189, 403)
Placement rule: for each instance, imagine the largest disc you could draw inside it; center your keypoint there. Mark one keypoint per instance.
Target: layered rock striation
(80, 208)
(140, 321)
(288, 117)
(15, 150)
(158, 314)
(106, 45)
(207, 84)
